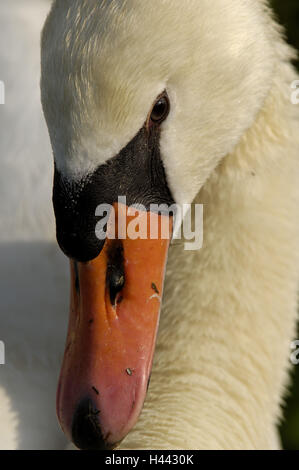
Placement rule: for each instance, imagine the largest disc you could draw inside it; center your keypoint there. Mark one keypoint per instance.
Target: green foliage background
(288, 13)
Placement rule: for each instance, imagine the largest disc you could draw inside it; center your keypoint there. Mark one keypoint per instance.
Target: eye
(160, 109)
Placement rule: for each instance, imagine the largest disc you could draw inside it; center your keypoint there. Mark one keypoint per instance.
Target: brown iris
(160, 109)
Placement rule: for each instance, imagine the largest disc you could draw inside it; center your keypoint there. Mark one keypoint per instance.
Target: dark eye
(160, 110)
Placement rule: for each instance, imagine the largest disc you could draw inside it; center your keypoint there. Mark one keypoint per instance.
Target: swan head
(143, 100)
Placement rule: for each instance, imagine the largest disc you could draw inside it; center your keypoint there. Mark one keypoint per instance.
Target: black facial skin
(86, 432)
(137, 172)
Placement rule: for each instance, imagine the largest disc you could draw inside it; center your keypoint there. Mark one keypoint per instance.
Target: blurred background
(288, 14)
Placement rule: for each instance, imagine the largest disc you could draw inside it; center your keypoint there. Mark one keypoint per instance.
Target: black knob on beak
(115, 277)
(78, 245)
(74, 206)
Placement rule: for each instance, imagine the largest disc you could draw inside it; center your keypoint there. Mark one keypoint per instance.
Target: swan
(227, 140)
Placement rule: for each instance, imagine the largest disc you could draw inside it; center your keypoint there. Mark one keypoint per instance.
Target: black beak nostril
(86, 431)
(115, 277)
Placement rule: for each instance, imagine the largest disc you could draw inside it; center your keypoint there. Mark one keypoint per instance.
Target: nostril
(115, 276)
(86, 431)
(116, 284)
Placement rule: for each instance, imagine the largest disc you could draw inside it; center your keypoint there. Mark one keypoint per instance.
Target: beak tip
(86, 430)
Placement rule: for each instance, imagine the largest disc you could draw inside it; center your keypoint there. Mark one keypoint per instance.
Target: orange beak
(114, 316)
